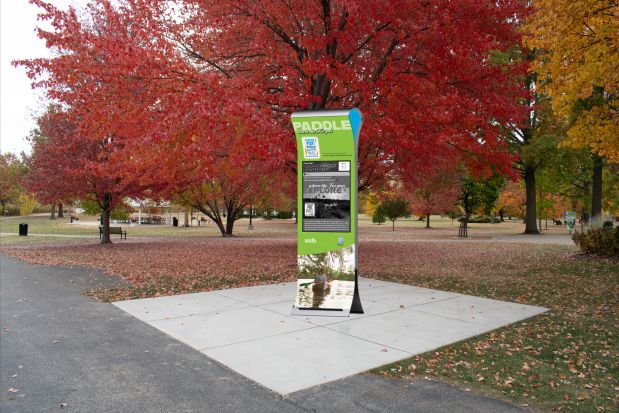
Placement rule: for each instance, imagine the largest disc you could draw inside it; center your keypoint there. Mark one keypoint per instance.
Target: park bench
(114, 230)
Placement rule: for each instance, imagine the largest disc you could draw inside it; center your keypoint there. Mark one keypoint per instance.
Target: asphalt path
(61, 351)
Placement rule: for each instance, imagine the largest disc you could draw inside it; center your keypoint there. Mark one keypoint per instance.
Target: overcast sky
(19, 103)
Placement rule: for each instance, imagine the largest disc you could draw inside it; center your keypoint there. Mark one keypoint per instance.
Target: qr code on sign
(311, 150)
(310, 210)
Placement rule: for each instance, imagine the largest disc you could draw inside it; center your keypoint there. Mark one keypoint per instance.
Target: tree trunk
(540, 201)
(53, 213)
(596, 190)
(60, 210)
(230, 219)
(539, 221)
(586, 201)
(186, 223)
(105, 223)
(220, 225)
(428, 221)
(211, 210)
(463, 229)
(106, 207)
(529, 182)
(393, 224)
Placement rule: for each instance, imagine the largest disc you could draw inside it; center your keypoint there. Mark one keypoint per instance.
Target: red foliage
(201, 91)
(435, 197)
(66, 164)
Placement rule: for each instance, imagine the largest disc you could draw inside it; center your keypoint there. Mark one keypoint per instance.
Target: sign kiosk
(570, 220)
(327, 146)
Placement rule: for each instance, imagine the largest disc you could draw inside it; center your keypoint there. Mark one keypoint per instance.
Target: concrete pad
(222, 328)
(370, 308)
(366, 284)
(295, 361)
(410, 331)
(251, 331)
(405, 296)
(150, 309)
(484, 311)
(262, 294)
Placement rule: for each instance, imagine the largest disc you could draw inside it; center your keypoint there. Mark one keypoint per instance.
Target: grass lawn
(89, 226)
(566, 359)
(442, 228)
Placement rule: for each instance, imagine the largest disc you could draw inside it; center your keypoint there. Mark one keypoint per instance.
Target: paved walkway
(556, 239)
(58, 346)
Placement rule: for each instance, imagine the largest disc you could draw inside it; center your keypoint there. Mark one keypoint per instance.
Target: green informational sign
(327, 143)
(570, 220)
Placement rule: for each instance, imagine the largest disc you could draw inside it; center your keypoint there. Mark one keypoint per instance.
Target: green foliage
(394, 209)
(12, 170)
(284, 215)
(475, 194)
(603, 241)
(26, 204)
(378, 217)
(121, 212)
(490, 191)
(90, 207)
(610, 189)
(480, 219)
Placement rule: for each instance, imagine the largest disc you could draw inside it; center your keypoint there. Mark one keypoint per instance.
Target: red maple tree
(66, 164)
(437, 195)
(201, 91)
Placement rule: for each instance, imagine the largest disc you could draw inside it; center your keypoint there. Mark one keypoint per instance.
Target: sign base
(356, 307)
(320, 312)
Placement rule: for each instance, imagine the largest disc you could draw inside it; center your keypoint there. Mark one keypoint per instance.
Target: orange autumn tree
(578, 59)
(580, 43)
(512, 200)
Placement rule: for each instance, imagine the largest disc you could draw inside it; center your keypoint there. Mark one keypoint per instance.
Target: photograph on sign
(326, 196)
(326, 280)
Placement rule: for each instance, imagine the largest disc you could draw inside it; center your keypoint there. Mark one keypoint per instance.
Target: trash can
(174, 222)
(23, 230)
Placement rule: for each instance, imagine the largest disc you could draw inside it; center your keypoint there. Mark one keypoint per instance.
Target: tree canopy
(194, 96)
(579, 41)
